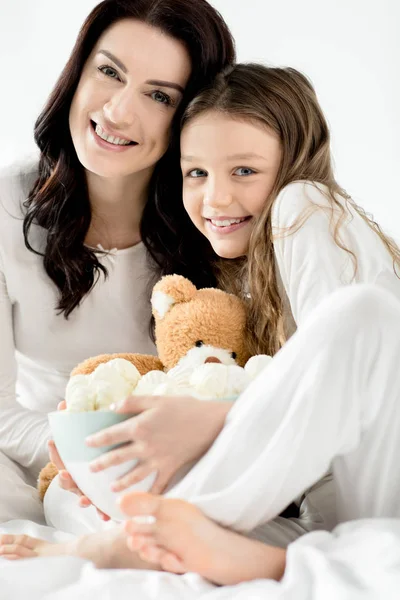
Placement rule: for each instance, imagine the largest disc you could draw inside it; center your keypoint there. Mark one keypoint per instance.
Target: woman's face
(229, 168)
(127, 95)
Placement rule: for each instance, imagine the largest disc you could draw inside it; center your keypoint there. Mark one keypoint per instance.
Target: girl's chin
(229, 253)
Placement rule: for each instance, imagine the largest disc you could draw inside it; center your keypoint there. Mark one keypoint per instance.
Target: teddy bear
(202, 343)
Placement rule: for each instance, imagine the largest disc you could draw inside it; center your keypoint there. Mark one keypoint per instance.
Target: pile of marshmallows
(116, 380)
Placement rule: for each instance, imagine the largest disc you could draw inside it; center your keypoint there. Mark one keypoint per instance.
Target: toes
(137, 542)
(140, 503)
(171, 563)
(140, 524)
(151, 554)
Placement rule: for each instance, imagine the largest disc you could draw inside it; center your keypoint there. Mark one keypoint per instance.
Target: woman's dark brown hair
(59, 199)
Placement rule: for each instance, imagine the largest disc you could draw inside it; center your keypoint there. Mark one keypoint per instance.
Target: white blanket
(359, 560)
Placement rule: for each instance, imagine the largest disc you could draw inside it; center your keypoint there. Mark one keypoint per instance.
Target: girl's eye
(109, 72)
(162, 98)
(196, 173)
(243, 171)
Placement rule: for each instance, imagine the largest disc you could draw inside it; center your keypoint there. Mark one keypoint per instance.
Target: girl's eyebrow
(120, 65)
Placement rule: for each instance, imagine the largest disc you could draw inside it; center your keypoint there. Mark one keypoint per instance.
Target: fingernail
(117, 405)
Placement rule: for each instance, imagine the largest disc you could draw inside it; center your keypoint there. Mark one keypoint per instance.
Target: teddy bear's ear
(170, 290)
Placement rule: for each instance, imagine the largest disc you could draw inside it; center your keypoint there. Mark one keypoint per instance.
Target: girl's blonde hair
(283, 100)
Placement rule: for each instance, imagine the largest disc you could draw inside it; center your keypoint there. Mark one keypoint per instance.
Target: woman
(83, 233)
(258, 183)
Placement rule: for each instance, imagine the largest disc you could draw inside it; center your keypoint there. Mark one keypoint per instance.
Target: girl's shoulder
(299, 198)
(16, 181)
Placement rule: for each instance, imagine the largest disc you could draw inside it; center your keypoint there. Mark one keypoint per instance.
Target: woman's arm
(23, 433)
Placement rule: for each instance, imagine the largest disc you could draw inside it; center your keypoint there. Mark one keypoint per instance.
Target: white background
(349, 48)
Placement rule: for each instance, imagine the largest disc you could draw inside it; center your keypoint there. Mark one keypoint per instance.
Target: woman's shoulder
(16, 181)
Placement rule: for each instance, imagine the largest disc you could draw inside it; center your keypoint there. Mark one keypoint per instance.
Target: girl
(83, 232)
(258, 184)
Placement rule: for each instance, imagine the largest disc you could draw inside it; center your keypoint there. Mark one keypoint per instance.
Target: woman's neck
(117, 207)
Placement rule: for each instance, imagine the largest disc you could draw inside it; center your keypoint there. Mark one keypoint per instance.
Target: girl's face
(128, 93)
(229, 168)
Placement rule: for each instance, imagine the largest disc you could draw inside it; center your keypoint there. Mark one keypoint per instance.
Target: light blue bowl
(70, 430)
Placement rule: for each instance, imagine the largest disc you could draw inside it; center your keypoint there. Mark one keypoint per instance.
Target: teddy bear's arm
(46, 476)
(143, 362)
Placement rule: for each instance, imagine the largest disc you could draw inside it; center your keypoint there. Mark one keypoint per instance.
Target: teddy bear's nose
(212, 359)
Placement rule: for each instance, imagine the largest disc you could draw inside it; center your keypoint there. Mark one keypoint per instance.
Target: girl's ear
(171, 290)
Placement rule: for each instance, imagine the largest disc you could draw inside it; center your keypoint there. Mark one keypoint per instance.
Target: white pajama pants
(19, 498)
(329, 398)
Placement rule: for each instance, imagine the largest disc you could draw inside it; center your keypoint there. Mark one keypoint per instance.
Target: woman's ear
(171, 290)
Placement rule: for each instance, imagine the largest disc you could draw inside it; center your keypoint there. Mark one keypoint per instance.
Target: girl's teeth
(110, 138)
(226, 222)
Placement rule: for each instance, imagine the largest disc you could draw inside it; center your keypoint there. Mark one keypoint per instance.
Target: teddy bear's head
(194, 327)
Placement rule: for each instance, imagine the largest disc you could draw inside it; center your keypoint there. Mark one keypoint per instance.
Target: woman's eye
(197, 173)
(109, 72)
(243, 171)
(162, 98)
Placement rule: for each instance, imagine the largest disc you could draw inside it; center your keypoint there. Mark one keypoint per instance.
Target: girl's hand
(65, 480)
(166, 434)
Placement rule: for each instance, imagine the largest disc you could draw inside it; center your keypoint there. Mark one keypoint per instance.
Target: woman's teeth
(227, 222)
(110, 138)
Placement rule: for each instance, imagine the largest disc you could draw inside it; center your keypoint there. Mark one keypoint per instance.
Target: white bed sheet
(359, 560)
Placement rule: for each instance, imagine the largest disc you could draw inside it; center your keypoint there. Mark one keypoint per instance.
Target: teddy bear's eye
(199, 344)
(234, 355)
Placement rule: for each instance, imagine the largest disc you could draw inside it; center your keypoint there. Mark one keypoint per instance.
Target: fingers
(134, 476)
(117, 434)
(14, 552)
(136, 404)
(62, 405)
(68, 484)
(116, 457)
(54, 456)
(19, 540)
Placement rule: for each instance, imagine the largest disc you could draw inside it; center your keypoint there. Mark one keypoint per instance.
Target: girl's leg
(330, 397)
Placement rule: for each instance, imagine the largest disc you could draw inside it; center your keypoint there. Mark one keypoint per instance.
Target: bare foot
(106, 549)
(180, 538)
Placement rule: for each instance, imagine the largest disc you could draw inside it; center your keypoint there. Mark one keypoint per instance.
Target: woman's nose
(120, 110)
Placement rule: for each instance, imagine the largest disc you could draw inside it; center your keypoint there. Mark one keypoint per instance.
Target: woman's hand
(65, 480)
(166, 434)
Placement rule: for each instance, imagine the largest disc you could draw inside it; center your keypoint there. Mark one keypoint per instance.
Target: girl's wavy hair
(59, 201)
(284, 101)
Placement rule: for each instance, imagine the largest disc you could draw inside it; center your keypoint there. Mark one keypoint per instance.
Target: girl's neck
(117, 207)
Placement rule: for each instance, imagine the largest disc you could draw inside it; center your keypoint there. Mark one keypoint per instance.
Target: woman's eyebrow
(114, 59)
(167, 84)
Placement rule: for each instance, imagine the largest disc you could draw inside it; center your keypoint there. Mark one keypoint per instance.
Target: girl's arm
(310, 263)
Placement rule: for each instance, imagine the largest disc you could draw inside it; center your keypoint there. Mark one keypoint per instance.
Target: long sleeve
(311, 265)
(23, 432)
